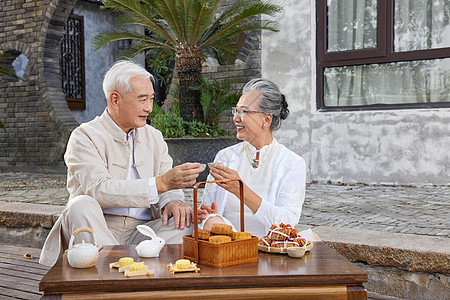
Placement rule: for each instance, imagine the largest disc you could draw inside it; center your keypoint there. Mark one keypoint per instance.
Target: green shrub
(216, 97)
(172, 125)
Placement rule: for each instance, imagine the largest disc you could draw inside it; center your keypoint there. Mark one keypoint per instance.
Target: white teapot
(149, 248)
(84, 255)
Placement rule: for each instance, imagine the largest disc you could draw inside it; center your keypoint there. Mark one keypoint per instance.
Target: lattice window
(72, 63)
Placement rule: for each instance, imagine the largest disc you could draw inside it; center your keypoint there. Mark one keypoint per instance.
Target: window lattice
(72, 62)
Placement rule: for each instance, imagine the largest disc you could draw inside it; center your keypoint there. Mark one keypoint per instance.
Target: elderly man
(119, 172)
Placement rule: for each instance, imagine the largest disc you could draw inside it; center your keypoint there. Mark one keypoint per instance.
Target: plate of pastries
(281, 237)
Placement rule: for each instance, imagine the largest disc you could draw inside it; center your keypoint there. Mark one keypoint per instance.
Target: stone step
(26, 224)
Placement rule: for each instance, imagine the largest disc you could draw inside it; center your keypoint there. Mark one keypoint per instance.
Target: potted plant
(192, 29)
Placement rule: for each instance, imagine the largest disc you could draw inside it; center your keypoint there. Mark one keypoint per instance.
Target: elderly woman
(273, 176)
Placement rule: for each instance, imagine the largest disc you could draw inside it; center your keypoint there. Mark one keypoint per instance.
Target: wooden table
(321, 274)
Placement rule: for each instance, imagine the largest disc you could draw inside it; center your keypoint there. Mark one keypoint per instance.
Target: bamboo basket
(224, 254)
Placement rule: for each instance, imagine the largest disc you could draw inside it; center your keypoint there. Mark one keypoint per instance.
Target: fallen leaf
(28, 256)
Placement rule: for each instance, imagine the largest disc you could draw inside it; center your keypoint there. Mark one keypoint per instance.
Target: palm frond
(138, 47)
(253, 25)
(110, 36)
(170, 12)
(142, 13)
(217, 97)
(185, 6)
(240, 19)
(206, 97)
(202, 15)
(10, 73)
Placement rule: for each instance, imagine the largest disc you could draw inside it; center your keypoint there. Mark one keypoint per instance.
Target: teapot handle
(79, 230)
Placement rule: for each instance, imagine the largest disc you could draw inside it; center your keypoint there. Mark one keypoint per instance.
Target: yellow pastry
(218, 239)
(240, 236)
(203, 234)
(221, 229)
(125, 261)
(137, 267)
(183, 264)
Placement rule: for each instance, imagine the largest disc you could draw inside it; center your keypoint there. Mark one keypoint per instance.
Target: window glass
(19, 65)
(421, 24)
(421, 81)
(351, 25)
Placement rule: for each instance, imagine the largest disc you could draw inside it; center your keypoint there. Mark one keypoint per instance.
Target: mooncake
(183, 264)
(240, 236)
(218, 239)
(137, 267)
(203, 234)
(125, 261)
(221, 229)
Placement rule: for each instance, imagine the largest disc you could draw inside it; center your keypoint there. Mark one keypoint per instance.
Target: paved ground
(400, 209)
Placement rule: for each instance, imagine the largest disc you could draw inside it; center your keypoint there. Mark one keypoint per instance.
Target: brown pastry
(294, 233)
(265, 241)
(283, 244)
(218, 239)
(221, 229)
(203, 234)
(279, 234)
(240, 236)
(301, 241)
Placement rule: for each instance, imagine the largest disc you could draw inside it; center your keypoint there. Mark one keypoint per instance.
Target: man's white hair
(118, 76)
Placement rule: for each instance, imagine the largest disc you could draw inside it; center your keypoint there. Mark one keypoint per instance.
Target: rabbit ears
(147, 231)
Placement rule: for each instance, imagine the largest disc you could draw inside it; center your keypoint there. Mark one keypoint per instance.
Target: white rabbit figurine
(149, 248)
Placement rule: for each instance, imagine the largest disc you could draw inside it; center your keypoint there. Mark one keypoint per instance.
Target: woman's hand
(221, 172)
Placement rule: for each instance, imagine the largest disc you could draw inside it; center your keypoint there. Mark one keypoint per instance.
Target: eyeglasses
(241, 111)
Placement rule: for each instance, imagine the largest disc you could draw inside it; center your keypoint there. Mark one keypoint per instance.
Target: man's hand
(179, 177)
(205, 210)
(181, 212)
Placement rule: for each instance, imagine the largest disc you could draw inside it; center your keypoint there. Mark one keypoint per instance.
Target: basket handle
(241, 196)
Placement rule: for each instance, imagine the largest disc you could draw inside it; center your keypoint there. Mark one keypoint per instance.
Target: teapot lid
(83, 245)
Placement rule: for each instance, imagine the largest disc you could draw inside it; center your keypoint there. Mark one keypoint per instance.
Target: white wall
(373, 147)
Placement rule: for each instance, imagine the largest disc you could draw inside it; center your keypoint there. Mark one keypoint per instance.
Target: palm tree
(192, 29)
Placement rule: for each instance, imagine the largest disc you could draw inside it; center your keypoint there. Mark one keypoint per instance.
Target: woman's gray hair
(118, 76)
(272, 101)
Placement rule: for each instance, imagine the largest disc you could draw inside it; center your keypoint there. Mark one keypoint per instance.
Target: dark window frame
(70, 72)
(382, 54)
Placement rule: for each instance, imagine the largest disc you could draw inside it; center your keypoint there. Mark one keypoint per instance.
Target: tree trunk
(189, 69)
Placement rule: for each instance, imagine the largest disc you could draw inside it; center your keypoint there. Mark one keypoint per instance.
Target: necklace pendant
(255, 163)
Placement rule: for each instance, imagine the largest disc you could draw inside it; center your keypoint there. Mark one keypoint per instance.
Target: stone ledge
(408, 252)
(23, 215)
